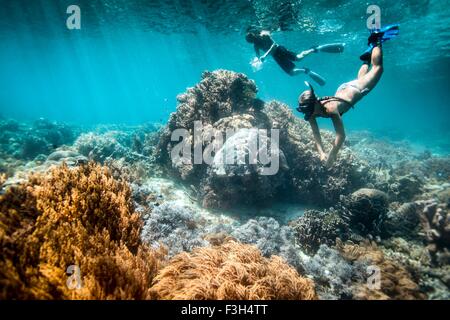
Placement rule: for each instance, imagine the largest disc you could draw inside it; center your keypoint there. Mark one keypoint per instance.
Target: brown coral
(396, 281)
(435, 220)
(232, 271)
(81, 217)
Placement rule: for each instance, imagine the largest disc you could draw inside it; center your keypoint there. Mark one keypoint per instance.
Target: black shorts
(285, 58)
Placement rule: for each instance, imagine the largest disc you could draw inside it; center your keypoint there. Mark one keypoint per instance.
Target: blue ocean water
(131, 58)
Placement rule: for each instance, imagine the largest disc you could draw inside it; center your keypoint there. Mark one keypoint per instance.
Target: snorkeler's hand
(323, 157)
(331, 158)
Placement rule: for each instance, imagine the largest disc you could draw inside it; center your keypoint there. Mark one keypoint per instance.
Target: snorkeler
(285, 58)
(347, 94)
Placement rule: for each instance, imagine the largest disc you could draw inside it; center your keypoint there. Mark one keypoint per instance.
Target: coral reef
(176, 222)
(127, 150)
(226, 100)
(399, 170)
(270, 237)
(434, 280)
(365, 211)
(99, 147)
(22, 142)
(173, 225)
(403, 222)
(26, 141)
(309, 181)
(73, 217)
(379, 152)
(316, 228)
(435, 220)
(222, 101)
(230, 231)
(405, 188)
(334, 276)
(396, 281)
(231, 271)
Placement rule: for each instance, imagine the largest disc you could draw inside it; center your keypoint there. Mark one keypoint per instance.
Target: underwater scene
(224, 150)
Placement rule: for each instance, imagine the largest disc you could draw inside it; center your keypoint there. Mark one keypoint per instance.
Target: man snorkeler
(347, 94)
(262, 41)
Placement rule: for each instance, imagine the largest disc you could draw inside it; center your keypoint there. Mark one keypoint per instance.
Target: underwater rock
(365, 211)
(227, 100)
(316, 228)
(71, 158)
(231, 271)
(62, 154)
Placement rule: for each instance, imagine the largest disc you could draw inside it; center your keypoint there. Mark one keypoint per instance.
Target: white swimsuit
(354, 85)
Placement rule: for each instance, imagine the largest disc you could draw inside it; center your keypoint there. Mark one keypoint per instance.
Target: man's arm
(340, 138)
(317, 138)
(257, 52)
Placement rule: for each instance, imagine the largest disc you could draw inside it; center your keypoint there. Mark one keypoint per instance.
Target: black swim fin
(378, 37)
(367, 55)
(315, 76)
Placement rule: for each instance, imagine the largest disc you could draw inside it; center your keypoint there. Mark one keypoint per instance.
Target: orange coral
(396, 281)
(81, 217)
(232, 271)
(2, 178)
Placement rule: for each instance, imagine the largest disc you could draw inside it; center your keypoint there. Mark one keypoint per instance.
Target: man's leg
(371, 78)
(304, 54)
(296, 72)
(315, 76)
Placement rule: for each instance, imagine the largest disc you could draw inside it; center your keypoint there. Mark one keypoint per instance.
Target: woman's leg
(371, 78)
(363, 70)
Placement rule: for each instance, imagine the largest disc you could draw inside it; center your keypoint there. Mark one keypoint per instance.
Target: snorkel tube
(306, 104)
